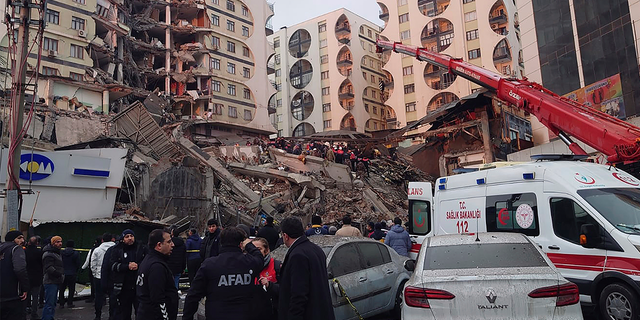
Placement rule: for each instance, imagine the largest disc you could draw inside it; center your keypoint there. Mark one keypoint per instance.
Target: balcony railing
(502, 18)
(433, 74)
(346, 95)
(345, 62)
(435, 32)
(501, 54)
(345, 28)
(383, 16)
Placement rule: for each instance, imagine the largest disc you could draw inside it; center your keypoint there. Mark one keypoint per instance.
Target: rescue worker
(316, 227)
(211, 244)
(15, 280)
(227, 280)
(156, 290)
(125, 258)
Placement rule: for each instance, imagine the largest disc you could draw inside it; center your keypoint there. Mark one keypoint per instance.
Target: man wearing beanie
(71, 262)
(211, 245)
(123, 264)
(13, 272)
(53, 270)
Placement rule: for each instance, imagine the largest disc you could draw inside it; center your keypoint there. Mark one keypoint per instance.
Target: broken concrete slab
(336, 171)
(266, 173)
(372, 198)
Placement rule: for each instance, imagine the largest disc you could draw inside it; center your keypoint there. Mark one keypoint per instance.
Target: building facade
(327, 75)
(484, 33)
(573, 44)
(207, 59)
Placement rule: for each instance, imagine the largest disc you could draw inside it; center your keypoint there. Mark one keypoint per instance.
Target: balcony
(346, 95)
(345, 62)
(499, 19)
(432, 34)
(432, 74)
(343, 29)
(384, 16)
(501, 55)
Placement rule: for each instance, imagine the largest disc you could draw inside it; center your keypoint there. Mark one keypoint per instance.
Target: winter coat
(156, 291)
(304, 290)
(228, 281)
(194, 242)
(97, 258)
(121, 255)
(398, 239)
(348, 231)
(316, 230)
(13, 272)
(52, 265)
(178, 259)
(378, 234)
(211, 245)
(71, 261)
(34, 265)
(271, 234)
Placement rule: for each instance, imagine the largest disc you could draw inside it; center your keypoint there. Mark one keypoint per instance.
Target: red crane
(618, 140)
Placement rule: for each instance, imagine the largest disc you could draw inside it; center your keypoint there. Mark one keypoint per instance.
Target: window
(474, 54)
(231, 46)
(473, 256)
(420, 217)
(402, 2)
(322, 28)
(324, 75)
(473, 34)
(215, 86)
(247, 115)
(373, 78)
(325, 91)
(344, 260)
(231, 6)
(77, 23)
(410, 88)
(403, 18)
(216, 2)
(373, 254)
(467, 1)
(79, 1)
(323, 43)
(364, 74)
(375, 110)
(501, 214)
(407, 71)
(233, 112)
(231, 26)
(470, 16)
(246, 72)
(375, 126)
(326, 124)
(278, 72)
(374, 94)
(231, 68)
(568, 217)
(405, 34)
(215, 41)
(369, 33)
(53, 16)
(49, 44)
(231, 89)
(245, 11)
(215, 64)
(215, 20)
(76, 76)
(76, 52)
(245, 51)
(410, 107)
(277, 58)
(217, 108)
(324, 59)
(246, 93)
(326, 107)
(276, 43)
(279, 103)
(49, 71)
(245, 31)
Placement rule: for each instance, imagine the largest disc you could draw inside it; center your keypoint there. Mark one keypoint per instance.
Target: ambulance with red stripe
(584, 216)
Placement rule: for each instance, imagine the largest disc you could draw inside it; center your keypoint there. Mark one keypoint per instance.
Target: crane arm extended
(617, 139)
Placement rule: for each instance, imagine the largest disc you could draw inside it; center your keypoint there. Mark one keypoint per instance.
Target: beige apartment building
(207, 59)
(327, 75)
(484, 33)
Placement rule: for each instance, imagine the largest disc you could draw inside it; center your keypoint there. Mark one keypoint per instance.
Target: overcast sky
(290, 12)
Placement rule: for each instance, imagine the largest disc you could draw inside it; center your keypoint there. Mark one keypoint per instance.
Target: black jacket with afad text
(155, 289)
(227, 281)
(304, 284)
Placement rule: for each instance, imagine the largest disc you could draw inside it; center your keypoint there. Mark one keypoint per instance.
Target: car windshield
(620, 206)
(488, 255)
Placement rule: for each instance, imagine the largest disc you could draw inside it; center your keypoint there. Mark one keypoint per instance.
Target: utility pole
(11, 217)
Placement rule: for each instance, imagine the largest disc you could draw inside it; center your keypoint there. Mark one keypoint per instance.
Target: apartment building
(207, 59)
(484, 33)
(327, 75)
(587, 50)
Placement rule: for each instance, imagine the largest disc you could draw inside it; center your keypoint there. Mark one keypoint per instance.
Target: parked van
(584, 216)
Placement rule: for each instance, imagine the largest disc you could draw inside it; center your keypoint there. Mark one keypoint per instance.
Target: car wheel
(397, 309)
(619, 302)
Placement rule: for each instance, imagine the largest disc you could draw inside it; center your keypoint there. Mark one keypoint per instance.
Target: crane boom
(617, 139)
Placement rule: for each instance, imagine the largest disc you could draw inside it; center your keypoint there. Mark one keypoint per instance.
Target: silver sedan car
(370, 273)
(486, 276)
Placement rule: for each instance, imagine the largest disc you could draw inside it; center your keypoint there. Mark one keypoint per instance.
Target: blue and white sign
(35, 167)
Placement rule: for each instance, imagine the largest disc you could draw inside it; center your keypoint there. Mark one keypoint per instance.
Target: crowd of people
(232, 267)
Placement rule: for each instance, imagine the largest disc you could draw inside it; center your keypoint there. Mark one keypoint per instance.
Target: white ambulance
(584, 216)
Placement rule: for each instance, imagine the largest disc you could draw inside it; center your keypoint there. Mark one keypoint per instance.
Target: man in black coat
(14, 282)
(178, 259)
(156, 290)
(227, 280)
(304, 284)
(124, 260)
(270, 233)
(71, 263)
(211, 245)
(34, 269)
